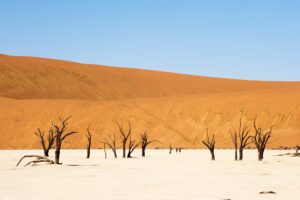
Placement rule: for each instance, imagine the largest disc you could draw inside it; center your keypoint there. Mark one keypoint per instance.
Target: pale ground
(189, 175)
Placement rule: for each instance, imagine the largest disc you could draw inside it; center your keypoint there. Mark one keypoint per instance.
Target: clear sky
(257, 39)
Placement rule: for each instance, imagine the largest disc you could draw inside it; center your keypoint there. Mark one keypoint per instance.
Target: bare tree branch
(124, 135)
(38, 159)
(111, 142)
(60, 134)
(210, 144)
(260, 140)
(131, 147)
(50, 140)
(89, 141)
(244, 139)
(145, 142)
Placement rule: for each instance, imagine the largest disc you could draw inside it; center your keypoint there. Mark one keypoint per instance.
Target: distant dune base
(174, 108)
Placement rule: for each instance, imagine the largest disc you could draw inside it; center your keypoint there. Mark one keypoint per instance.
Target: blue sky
(257, 39)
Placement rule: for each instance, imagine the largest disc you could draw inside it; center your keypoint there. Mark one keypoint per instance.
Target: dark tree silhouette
(124, 135)
(131, 147)
(111, 142)
(145, 142)
(260, 140)
(241, 136)
(210, 144)
(89, 142)
(244, 138)
(234, 140)
(46, 143)
(170, 148)
(61, 134)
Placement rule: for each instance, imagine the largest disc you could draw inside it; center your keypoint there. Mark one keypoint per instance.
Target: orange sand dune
(174, 108)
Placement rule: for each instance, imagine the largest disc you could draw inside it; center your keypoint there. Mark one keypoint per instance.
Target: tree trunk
(57, 151)
(235, 154)
(260, 155)
(241, 153)
(124, 150)
(46, 152)
(129, 154)
(88, 150)
(212, 154)
(105, 155)
(56, 161)
(143, 151)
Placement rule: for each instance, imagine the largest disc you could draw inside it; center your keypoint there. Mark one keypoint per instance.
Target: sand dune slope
(174, 108)
(37, 78)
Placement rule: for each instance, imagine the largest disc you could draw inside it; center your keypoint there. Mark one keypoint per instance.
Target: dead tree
(210, 142)
(242, 137)
(104, 148)
(234, 140)
(132, 145)
(89, 141)
(260, 140)
(170, 148)
(38, 159)
(46, 143)
(61, 134)
(111, 142)
(145, 142)
(124, 136)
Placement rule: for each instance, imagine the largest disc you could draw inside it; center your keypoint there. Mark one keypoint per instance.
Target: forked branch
(124, 135)
(145, 142)
(131, 147)
(261, 139)
(210, 142)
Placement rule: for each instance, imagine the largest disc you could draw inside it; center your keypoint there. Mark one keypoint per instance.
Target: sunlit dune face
(174, 108)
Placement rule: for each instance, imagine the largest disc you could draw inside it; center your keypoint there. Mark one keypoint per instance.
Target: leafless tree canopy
(145, 142)
(89, 141)
(61, 134)
(260, 140)
(241, 136)
(132, 146)
(210, 142)
(46, 143)
(111, 142)
(124, 135)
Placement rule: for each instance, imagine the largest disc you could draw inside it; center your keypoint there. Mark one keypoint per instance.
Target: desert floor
(189, 175)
